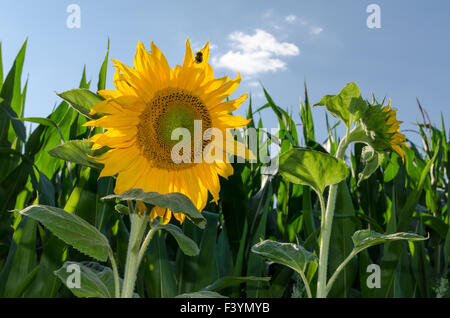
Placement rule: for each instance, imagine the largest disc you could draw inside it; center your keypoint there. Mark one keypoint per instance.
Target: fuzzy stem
(327, 224)
(337, 272)
(305, 281)
(116, 274)
(144, 245)
(138, 225)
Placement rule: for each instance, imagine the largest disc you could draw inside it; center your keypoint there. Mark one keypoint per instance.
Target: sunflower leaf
(176, 202)
(77, 151)
(122, 209)
(348, 105)
(71, 229)
(371, 161)
(94, 280)
(82, 100)
(366, 238)
(187, 245)
(288, 254)
(312, 168)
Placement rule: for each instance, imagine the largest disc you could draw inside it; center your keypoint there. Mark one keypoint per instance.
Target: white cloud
(290, 18)
(263, 41)
(315, 30)
(257, 53)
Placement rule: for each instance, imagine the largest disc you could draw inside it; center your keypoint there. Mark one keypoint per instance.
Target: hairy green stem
(116, 274)
(327, 224)
(306, 283)
(144, 245)
(138, 225)
(336, 273)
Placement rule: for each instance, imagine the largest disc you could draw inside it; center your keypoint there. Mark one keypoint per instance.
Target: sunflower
(383, 129)
(150, 101)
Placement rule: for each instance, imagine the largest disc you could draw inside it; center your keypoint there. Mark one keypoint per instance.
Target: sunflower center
(177, 116)
(170, 109)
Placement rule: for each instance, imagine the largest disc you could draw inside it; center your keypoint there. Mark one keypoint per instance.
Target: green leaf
(158, 269)
(77, 151)
(45, 122)
(348, 105)
(82, 100)
(18, 126)
(288, 254)
(315, 169)
(102, 74)
(260, 205)
(371, 161)
(1, 69)
(71, 229)
(201, 294)
(122, 209)
(366, 238)
(188, 246)
(228, 281)
(12, 101)
(194, 273)
(393, 251)
(95, 280)
(176, 202)
(307, 120)
(46, 284)
(21, 261)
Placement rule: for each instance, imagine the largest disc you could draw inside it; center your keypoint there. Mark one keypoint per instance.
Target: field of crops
(362, 215)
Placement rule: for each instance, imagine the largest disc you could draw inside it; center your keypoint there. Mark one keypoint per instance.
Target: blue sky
(280, 44)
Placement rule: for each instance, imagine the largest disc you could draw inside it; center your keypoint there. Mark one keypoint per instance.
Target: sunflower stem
(116, 274)
(138, 225)
(326, 225)
(144, 245)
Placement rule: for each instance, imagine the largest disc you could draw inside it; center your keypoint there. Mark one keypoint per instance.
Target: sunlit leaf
(71, 229)
(287, 254)
(77, 151)
(371, 161)
(366, 238)
(82, 100)
(348, 105)
(315, 169)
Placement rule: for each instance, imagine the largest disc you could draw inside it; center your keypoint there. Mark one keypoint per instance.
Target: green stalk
(337, 272)
(306, 283)
(326, 225)
(116, 274)
(138, 225)
(144, 246)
